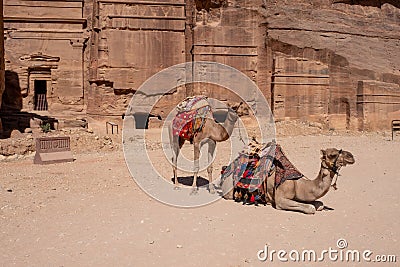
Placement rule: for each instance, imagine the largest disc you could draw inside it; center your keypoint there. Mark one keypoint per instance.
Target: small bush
(46, 127)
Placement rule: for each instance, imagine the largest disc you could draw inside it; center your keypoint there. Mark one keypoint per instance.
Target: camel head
(334, 159)
(235, 108)
(233, 113)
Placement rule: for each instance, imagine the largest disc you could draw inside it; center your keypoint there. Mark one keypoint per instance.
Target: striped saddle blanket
(250, 170)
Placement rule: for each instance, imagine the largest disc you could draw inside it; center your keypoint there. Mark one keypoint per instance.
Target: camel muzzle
(347, 158)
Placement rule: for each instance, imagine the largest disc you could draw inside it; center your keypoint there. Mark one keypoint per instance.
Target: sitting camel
(301, 194)
(211, 132)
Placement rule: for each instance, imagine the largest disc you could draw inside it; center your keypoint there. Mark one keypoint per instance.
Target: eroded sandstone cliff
(356, 40)
(332, 62)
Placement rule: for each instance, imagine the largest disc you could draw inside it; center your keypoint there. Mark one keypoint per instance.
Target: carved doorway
(40, 87)
(339, 114)
(40, 96)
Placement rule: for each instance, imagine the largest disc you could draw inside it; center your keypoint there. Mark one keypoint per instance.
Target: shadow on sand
(188, 181)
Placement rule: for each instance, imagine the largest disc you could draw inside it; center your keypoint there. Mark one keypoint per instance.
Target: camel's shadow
(188, 181)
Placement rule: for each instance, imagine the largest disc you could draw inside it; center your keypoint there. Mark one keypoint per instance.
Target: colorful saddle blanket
(191, 116)
(284, 169)
(250, 171)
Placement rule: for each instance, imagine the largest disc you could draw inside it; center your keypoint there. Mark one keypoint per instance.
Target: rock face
(377, 104)
(2, 70)
(12, 98)
(44, 43)
(130, 42)
(334, 63)
(354, 42)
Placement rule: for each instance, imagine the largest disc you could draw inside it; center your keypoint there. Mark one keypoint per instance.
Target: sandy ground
(91, 213)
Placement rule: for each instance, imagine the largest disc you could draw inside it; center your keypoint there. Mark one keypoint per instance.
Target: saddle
(191, 116)
(250, 169)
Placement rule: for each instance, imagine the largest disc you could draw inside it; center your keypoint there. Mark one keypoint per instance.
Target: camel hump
(192, 103)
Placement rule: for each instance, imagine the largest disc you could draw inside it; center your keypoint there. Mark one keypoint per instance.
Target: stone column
(190, 11)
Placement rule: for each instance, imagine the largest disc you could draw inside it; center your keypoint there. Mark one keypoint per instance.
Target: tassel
(252, 199)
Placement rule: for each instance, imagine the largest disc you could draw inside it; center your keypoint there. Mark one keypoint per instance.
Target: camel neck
(323, 182)
(230, 121)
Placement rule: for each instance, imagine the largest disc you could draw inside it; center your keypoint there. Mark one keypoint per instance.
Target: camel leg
(211, 150)
(177, 144)
(289, 204)
(196, 167)
(269, 188)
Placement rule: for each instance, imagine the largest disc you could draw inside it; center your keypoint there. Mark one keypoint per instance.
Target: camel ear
(323, 153)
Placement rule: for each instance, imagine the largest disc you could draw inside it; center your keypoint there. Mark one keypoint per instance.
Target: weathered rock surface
(44, 46)
(355, 42)
(307, 57)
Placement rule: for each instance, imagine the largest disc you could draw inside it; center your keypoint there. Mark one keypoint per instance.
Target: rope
(240, 134)
(334, 181)
(336, 170)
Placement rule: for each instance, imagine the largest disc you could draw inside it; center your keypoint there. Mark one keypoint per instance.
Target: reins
(240, 134)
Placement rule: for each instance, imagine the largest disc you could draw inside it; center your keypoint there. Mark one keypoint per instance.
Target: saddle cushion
(192, 103)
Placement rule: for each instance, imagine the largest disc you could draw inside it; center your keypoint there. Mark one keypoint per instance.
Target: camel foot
(318, 205)
(194, 191)
(211, 188)
(310, 209)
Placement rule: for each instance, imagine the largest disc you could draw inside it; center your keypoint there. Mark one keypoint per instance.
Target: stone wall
(300, 88)
(229, 32)
(307, 57)
(2, 68)
(131, 41)
(378, 104)
(355, 40)
(44, 41)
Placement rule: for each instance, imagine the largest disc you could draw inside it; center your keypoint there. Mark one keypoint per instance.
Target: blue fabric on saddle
(250, 170)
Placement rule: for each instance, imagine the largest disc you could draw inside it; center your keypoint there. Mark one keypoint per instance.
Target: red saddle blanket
(189, 122)
(183, 124)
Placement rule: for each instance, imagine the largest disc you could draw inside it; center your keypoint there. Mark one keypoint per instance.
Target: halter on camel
(240, 134)
(335, 169)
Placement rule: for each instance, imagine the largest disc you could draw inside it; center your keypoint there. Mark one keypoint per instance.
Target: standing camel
(210, 133)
